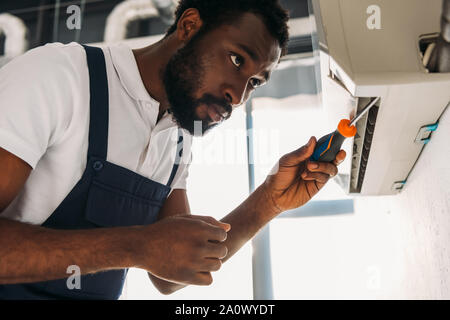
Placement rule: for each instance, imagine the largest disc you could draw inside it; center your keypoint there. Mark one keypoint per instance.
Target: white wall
(417, 222)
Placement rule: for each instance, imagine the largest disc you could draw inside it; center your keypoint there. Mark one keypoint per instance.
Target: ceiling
(39, 17)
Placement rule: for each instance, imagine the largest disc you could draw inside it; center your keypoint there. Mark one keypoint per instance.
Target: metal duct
(440, 59)
(166, 10)
(130, 10)
(15, 33)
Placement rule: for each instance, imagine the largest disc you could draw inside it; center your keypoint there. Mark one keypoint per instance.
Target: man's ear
(188, 24)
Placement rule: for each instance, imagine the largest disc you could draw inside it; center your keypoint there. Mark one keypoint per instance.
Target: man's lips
(215, 114)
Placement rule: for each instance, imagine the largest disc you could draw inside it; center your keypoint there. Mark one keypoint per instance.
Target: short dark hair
(218, 12)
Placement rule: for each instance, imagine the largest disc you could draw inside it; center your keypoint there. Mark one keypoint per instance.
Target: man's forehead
(251, 35)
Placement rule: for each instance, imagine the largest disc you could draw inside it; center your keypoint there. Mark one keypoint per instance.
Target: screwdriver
(328, 146)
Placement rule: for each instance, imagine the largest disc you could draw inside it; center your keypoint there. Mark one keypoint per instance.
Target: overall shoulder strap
(178, 157)
(99, 103)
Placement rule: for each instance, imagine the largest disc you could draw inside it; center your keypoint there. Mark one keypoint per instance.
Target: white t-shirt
(44, 120)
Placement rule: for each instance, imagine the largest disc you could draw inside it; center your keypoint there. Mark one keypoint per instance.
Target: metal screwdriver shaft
(363, 111)
(328, 146)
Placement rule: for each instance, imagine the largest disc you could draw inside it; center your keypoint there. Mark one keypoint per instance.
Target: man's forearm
(248, 218)
(32, 253)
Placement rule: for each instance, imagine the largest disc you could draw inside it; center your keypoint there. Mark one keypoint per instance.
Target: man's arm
(31, 253)
(244, 221)
(175, 248)
(15, 172)
(293, 184)
(176, 204)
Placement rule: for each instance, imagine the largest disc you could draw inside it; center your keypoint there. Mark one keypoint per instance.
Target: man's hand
(298, 179)
(184, 249)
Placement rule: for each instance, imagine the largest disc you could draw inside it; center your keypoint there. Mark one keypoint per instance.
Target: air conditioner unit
(362, 58)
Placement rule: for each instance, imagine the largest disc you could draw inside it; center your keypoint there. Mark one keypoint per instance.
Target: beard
(183, 77)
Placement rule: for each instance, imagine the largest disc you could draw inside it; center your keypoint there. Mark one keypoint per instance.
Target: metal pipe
(41, 13)
(261, 260)
(56, 20)
(130, 10)
(166, 10)
(15, 33)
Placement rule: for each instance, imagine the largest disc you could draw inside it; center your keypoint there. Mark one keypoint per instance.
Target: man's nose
(233, 96)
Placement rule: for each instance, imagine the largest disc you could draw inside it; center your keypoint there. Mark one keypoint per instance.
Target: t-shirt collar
(126, 66)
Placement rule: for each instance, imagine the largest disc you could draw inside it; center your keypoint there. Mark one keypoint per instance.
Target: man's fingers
(312, 188)
(212, 265)
(340, 157)
(317, 176)
(214, 233)
(215, 250)
(299, 155)
(324, 167)
(225, 226)
(203, 278)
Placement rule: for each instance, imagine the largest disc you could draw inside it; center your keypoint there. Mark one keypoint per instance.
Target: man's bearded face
(183, 79)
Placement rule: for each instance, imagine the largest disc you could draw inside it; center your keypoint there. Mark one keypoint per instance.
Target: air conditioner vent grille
(370, 129)
(362, 144)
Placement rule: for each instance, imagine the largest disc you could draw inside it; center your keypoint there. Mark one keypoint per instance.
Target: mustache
(209, 99)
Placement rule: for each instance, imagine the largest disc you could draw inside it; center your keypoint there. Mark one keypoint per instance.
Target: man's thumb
(299, 155)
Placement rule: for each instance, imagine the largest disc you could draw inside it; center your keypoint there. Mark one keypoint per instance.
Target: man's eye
(255, 83)
(237, 60)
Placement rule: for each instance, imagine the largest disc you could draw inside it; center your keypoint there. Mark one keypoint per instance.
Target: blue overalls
(106, 196)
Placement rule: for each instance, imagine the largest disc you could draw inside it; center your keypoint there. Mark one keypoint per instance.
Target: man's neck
(152, 61)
